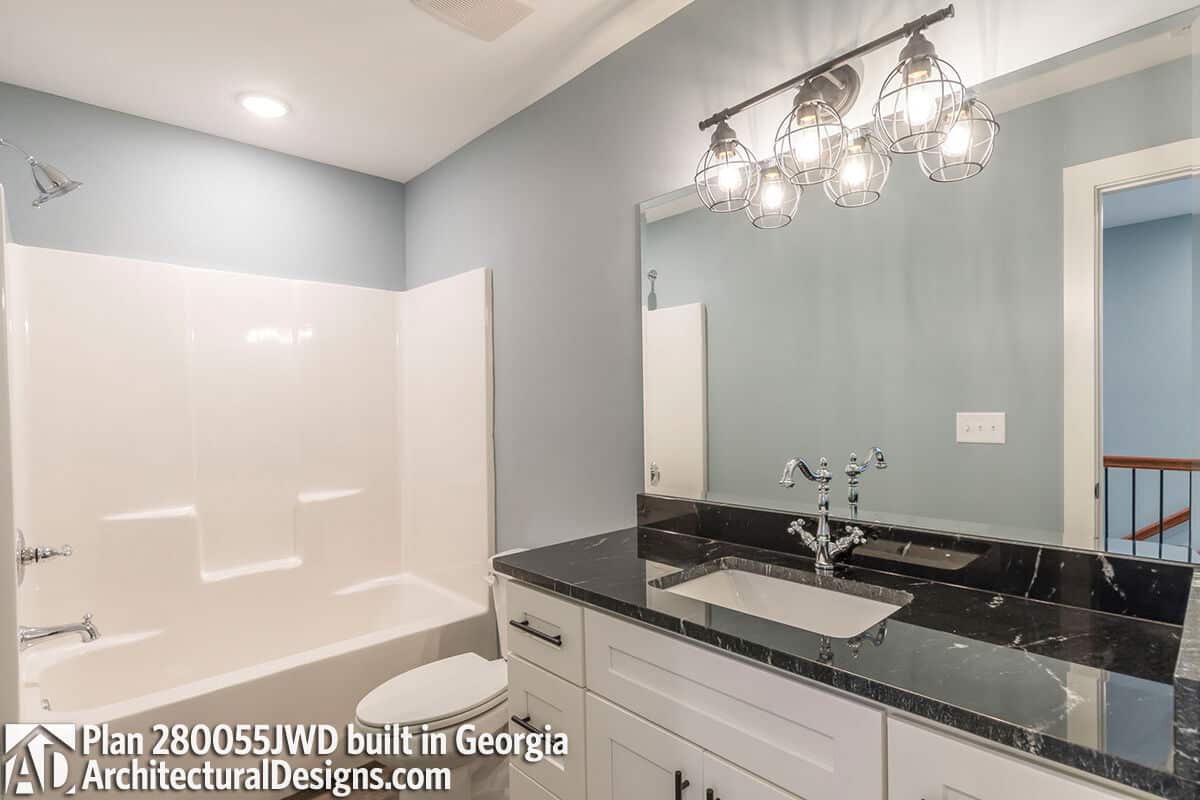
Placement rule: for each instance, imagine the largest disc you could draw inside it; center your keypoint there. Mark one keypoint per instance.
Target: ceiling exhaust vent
(483, 19)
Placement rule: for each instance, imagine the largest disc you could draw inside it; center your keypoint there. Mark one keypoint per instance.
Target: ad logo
(35, 758)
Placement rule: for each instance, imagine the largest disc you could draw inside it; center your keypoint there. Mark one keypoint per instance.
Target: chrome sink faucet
(854, 470)
(28, 637)
(823, 545)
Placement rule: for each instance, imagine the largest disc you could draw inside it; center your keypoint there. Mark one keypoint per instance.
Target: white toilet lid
(445, 691)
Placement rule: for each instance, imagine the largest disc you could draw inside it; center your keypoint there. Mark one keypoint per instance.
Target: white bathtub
(302, 664)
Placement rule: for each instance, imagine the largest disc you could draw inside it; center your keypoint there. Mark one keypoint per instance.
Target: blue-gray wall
(547, 200)
(163, 193)
(1148, 314)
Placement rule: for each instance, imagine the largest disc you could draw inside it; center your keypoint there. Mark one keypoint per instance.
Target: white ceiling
(376, 86)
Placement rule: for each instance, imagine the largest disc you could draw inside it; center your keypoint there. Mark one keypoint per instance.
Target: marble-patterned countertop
(1083, 687)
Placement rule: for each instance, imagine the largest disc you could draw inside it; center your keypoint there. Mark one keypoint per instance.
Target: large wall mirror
(1052, 298)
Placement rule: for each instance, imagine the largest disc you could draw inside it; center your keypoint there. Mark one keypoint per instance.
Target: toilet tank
(499, 603)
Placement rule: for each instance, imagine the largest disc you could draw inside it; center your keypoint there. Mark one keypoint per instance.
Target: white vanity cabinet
(649, 707)
(806, 740)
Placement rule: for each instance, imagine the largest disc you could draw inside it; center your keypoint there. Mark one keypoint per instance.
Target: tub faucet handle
(35, 555)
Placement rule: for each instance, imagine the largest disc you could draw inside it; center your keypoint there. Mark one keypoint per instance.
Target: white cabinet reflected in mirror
(1057, 288)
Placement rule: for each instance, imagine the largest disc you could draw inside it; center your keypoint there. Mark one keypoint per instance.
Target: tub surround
(1034, 648)
(233, 442)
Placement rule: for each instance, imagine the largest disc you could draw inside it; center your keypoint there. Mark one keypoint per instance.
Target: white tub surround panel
(345, 340)
(244, 385)
(8, 577)
(445, 410)
(102, 435)
(222, 450)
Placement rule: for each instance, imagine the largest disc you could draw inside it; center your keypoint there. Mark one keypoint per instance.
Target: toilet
(444, 695)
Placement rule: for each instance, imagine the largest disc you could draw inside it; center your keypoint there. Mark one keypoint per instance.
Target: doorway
(1149, 298)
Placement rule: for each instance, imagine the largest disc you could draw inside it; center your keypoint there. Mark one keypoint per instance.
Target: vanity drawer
(543, 699)
(546, 631)
(806, 740)
(523, 787)
(925, 765)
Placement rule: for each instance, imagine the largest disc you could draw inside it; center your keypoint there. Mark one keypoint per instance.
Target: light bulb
(920, 103)
(772, 196)
(854, 172)
(808, 145)
(729, 177)
(959, 140)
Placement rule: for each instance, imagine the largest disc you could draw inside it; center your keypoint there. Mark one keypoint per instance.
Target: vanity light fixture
(864, 171)
(774, 204)
(728, 173)
(50, 181)
(923, 109)
(968, 146)
(921, 99)
(264, 106)
(811, 139)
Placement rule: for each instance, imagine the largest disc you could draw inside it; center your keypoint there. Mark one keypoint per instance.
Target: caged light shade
(968, 146)
(728, 174)
(774, 204)
(864, 171)
(810, 140)
(920, 101)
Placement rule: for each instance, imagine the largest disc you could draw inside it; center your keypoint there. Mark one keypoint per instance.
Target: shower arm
(6, 143)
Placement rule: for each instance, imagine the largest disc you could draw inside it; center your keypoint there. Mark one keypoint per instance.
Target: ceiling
(1163, 200)
(377, 86)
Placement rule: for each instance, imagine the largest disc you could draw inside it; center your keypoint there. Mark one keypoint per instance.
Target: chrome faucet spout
(853, 472)
(28, 637)
(789, 471)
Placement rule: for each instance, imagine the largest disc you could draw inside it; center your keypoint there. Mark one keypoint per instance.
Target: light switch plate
(979, 427)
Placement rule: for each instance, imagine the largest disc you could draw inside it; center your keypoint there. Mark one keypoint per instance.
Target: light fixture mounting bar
(903, 32)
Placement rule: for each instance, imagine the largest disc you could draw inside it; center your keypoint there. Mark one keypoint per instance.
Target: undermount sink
(826, 605)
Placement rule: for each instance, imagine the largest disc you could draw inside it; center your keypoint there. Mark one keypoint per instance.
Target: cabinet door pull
(523, 625)
(711, 794)
(680, 785)
(525, 723)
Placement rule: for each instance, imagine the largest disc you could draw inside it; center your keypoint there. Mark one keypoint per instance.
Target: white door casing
(1083, 188)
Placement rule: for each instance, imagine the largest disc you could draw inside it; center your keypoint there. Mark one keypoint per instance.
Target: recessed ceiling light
(263, 106)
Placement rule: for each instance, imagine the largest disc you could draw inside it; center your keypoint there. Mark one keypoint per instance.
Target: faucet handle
(33, 555)
(854, 537)
(797, 528)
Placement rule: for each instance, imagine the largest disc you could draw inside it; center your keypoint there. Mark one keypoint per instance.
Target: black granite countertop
(1088, 660)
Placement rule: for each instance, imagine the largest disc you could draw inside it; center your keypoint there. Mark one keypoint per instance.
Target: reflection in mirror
(945, 322)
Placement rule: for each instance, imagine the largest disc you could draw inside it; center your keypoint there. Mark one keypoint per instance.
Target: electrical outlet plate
(979, 427)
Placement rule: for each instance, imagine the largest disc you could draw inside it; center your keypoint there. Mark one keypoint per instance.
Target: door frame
(1084, 186)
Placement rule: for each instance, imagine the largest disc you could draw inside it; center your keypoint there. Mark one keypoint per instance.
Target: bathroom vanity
(701, 656)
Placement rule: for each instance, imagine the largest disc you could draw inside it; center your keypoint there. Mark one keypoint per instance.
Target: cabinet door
(631, 759)
(727, 782)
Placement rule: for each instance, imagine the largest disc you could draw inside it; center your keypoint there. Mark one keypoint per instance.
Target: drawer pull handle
(525, 723)
(524, 626)
(711, 794)
(680, 785)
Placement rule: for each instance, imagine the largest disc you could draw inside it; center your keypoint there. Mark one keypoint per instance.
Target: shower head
(49, 180)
